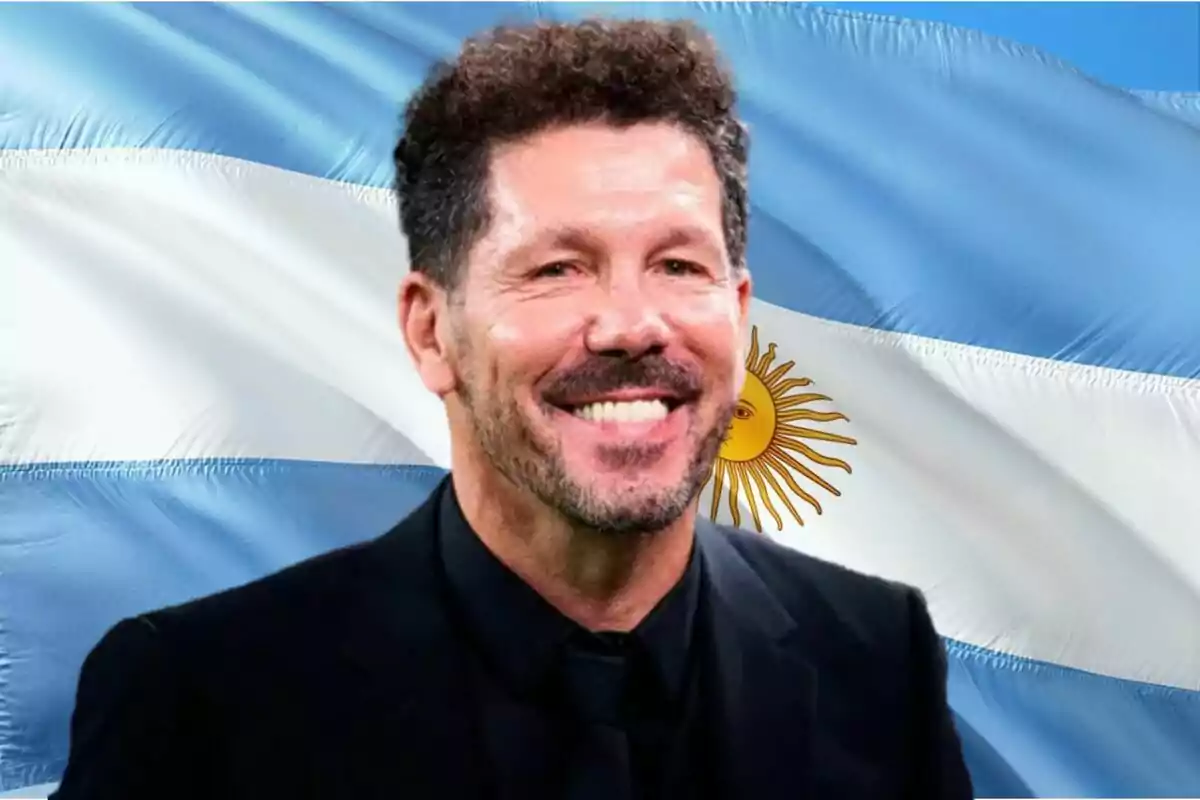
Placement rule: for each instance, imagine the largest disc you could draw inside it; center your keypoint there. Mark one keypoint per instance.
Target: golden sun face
(766, 439)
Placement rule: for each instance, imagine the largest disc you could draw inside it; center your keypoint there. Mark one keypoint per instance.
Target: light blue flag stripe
(1134, 45)
(160, 533)
(891, 166)
(914, 177)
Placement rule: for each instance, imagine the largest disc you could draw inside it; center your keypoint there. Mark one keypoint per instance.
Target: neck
(603, 581)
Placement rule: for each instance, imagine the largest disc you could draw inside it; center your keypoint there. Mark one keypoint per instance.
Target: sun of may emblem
(766, 440)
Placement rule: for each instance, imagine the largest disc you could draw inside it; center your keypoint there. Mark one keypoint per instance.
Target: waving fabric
(980, 265)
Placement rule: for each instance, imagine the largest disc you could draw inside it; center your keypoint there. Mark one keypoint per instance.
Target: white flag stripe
(180, 305)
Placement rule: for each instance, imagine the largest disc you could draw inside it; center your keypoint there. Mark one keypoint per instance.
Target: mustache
(603, 374)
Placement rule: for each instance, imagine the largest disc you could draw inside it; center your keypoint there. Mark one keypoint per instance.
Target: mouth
(627, 406)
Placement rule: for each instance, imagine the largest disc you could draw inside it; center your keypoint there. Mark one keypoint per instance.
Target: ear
(423, 312)
(744, 287)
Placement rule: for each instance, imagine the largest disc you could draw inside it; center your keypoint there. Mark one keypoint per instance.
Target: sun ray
(794, 383)
(744, 476)
(775, 375)
(800, 399)
(813, 455)
(734, 510)
(756, 472)
(752, 356)
(808, 413)
(807, 472)
(767, 437)
(799, 432)
(769, 474)
(764, 362)
(779, 461)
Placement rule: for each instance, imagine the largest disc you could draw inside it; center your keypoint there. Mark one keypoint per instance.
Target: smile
(624, 411)
(623, 405)
(625, 417)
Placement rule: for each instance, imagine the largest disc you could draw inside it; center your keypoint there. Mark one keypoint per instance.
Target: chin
(657, 503)
(649, 470)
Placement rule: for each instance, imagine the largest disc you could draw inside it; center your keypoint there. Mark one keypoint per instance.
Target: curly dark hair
(514, 81)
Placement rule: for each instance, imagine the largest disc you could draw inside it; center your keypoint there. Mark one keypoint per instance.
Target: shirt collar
(521, 635)
(667, 632)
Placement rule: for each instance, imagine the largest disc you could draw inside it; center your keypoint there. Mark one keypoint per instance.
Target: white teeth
(636, 411)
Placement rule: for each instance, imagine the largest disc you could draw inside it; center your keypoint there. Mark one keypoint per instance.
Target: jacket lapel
(765, 692)
(419, 734)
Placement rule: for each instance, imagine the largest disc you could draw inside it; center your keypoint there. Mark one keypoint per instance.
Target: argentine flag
(975, 363)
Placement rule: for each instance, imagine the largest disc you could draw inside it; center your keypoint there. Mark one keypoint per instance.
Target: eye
(555, 269)
(681, 267)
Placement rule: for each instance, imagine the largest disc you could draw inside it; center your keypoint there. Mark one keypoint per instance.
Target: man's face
(597, 331)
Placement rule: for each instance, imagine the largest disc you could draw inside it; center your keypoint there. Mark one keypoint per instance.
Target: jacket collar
(408, 672)
(763, 699)
(764, 690)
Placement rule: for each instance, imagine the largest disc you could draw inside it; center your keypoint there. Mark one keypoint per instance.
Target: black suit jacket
(342, 677)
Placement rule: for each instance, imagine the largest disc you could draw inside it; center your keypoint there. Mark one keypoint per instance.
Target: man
(555, 621)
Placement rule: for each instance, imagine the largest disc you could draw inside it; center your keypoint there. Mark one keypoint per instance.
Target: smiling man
(555, 621)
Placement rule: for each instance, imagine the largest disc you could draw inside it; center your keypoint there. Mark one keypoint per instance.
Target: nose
(627, 322)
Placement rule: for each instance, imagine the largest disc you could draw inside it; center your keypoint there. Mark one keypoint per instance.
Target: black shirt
(520, 639)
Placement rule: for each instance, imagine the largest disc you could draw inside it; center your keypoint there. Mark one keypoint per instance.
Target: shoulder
(326, 579)
(781, 567)
(309, 602)
(841, 603)
(879, 663)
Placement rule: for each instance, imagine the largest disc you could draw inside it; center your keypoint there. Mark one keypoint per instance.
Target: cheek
(507, 333)
(739, 377)
(711, 323)
(716, 309)
(525, 343)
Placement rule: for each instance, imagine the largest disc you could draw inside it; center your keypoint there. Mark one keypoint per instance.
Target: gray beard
(510, 445)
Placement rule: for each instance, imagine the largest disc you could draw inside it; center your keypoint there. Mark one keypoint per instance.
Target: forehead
(620, 182)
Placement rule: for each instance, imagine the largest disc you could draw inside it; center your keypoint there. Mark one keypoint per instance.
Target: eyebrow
(570, 237)
(681, 235)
